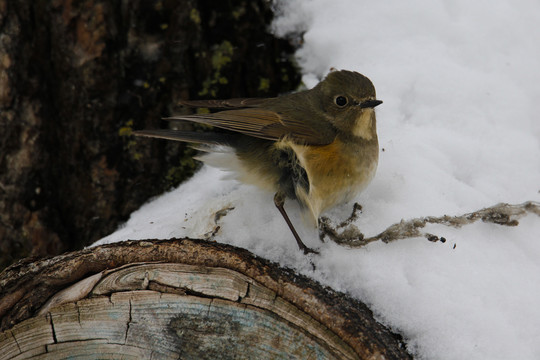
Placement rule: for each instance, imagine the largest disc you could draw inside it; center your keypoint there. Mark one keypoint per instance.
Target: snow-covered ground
(460, 128)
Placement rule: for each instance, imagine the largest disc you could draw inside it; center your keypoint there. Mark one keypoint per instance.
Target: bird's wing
(224, 104)
(262, 123)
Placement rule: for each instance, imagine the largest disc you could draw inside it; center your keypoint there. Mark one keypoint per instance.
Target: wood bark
(184, 298)
(77, 76)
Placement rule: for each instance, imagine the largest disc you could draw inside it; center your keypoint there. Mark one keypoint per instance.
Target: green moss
(208, 88)
(203, 111)
(137, 156)
(126, 133)
(127, 129)
(221, 57)
(195, 16)
(237, 13)
(284, 75)
(158, 6)
(185, 168)
(264, 84)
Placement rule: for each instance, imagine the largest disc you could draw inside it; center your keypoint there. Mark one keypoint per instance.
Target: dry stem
(349, 235)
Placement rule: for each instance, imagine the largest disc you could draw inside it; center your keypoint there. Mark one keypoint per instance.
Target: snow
(460, 131)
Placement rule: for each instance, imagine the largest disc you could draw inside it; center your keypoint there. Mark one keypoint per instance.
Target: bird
(318, 147)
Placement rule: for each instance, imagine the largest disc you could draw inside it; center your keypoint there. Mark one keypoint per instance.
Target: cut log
(183, 298)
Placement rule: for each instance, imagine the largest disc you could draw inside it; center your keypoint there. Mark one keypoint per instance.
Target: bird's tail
(206, 138)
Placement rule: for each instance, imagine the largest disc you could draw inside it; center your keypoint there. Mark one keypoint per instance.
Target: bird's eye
(340, 101)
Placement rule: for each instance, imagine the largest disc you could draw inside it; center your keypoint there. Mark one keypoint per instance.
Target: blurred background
(77, 77)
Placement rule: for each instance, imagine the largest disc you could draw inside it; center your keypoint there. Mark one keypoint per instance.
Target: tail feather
(207, 138)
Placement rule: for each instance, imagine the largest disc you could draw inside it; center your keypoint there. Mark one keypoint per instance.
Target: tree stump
(181, 298)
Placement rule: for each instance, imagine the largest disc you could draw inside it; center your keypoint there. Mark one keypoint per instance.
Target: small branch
(349, 235)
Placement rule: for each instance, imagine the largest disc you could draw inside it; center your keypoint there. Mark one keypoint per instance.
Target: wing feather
(224, 104)
(260, 123)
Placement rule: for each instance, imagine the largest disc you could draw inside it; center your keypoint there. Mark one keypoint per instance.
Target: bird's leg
(279, 201)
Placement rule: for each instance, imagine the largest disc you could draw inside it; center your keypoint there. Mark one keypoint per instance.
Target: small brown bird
(318, 146)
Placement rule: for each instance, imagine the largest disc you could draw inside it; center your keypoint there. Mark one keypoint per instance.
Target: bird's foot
(307, 250)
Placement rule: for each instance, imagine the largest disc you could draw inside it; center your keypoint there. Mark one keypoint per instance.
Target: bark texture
(77, 76)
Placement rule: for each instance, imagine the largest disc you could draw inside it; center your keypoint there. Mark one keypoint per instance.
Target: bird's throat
(364, 125)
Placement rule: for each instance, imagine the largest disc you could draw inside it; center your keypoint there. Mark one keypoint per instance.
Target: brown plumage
(318, 146)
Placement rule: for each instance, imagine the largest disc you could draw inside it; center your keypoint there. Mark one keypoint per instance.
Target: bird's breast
(337, 172)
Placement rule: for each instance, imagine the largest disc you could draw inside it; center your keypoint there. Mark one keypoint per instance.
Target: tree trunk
(77, 76)
(186, 299)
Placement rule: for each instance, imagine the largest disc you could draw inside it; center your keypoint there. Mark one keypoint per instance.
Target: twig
(349, 235)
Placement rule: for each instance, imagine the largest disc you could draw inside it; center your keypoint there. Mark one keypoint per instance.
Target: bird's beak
(370, 103)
